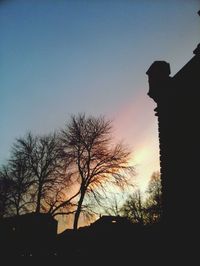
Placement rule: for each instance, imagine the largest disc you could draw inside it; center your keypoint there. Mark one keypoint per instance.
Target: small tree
(86, 143)
(154, 199)
(113, 205)
(134, 208)
(6, 186)
(148, 210)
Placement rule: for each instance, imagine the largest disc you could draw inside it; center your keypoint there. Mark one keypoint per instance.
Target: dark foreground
(106, 241)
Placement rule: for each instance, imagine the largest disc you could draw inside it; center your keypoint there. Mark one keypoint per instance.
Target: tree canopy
(57, 173)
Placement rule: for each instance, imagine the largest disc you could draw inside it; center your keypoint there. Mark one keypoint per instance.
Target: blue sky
(65, 57)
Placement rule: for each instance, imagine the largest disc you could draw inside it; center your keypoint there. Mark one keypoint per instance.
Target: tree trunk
(38, 199)
(17, 211)
(18, 205)
(78, 211)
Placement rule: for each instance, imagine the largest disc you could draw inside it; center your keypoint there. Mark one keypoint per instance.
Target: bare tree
(86, 142)
(114, 205)
(5, 192)
(15, 181)
(134, 208)
(154, 199)
(146, 210)
(41, 154)
(20, 175)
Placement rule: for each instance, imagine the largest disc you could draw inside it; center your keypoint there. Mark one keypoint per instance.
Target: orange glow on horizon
(140, 133)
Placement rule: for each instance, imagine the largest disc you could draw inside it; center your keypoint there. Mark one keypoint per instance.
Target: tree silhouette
(146, 209)
(154, 200)
(86, 143)
(5, 192)
(21, 180)
(41, 155)
(113, 205)
(134, 208)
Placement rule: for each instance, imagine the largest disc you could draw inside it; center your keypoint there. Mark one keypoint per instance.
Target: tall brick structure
(178, 112)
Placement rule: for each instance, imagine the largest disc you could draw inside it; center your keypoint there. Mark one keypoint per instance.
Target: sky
(59, 58)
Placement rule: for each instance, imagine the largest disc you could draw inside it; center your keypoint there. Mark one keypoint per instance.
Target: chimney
(158, 74)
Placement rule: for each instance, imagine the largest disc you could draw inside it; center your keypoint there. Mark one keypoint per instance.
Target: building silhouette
(179, 136)
(31, 234)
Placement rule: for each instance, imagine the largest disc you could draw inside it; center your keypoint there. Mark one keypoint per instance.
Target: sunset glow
(98, 115)
(68, 57)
